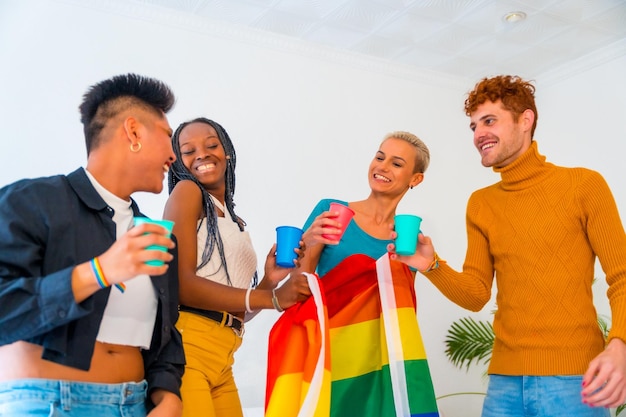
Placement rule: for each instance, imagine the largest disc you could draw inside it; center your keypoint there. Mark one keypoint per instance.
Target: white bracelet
(248, 309)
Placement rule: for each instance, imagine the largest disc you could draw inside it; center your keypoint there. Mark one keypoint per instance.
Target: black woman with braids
(217, 268)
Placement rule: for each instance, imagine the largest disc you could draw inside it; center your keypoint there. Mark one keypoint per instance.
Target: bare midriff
(110, 364)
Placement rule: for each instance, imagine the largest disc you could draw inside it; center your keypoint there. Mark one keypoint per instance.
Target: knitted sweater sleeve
(608, 240)
(470, 289)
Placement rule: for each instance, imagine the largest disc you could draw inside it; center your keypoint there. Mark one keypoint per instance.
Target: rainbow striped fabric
(353, 349)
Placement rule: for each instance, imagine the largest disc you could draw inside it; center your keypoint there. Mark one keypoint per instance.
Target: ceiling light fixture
(514, 17)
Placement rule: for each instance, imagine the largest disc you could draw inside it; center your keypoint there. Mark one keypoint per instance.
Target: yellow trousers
(208, 388)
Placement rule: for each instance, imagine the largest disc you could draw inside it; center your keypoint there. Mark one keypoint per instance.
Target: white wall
(582, 123)
(305, 127)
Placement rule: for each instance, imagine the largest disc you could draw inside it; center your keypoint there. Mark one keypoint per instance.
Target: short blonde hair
(422, 159)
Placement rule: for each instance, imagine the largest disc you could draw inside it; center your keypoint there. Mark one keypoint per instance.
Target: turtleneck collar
(529, 169)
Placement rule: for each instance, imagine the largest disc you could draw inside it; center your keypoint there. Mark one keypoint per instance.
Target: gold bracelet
(275, 301)
(433, 265)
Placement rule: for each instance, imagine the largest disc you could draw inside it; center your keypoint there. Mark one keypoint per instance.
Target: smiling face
(159, 148)
(499, 138)
(145, 150)
(392, 169)
(203, 155)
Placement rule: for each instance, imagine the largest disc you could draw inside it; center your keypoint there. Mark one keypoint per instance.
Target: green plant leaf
(603, 323)
(469, 340)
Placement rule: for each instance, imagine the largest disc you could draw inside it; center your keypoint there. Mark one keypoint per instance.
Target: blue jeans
(537, 396)
(52, 398)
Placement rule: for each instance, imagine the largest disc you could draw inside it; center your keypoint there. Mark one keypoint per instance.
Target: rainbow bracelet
(100, 279)
(434, 264)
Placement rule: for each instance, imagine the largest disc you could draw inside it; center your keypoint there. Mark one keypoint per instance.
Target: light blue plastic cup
(407, 226)
(168, 225)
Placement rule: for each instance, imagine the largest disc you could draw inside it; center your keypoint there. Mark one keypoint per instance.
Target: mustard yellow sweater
(539, 231)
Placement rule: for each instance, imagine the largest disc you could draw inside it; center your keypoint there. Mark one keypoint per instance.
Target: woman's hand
(294, 290)
(274, 273)
(324, 224)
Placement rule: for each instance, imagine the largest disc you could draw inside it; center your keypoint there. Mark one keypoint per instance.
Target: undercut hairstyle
(515, 94)
(422, 158)
(178, 172)
(107, 99)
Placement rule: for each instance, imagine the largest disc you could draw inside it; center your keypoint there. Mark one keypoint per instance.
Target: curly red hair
(515, 94)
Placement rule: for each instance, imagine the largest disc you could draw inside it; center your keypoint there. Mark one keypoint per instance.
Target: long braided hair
(178, 171)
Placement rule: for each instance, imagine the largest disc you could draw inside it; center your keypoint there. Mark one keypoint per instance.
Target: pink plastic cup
(345, 215)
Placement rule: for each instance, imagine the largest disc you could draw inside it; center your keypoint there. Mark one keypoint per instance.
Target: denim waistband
(79, 392)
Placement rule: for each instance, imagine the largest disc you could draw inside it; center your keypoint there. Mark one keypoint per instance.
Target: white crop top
(238, 252)
(129, 317)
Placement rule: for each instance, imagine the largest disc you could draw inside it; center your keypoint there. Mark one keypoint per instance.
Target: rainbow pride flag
(299, 359)
(360, 338)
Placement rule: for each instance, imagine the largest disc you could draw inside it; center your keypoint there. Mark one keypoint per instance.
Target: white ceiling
(466, 38)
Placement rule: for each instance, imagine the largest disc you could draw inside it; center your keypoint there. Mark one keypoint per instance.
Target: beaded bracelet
(433, 265)
(275, 301)
(100, 278)
(248, 309)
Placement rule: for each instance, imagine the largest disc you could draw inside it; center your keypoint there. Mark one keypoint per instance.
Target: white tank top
(129, 317)
(238, 251)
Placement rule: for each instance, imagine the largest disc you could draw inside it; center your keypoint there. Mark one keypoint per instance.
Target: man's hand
(604, 383)
(423, 256)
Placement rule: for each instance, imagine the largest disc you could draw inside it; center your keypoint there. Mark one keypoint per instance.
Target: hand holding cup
(287, 241)
(423, 251)
(344, 217)
(407, 227)
(126, 258)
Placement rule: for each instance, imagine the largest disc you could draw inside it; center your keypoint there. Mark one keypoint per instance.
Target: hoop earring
(135, 147)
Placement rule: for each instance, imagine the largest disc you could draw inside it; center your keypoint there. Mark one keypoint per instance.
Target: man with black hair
(86, 325)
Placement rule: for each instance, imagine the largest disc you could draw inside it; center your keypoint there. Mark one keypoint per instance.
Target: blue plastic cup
(168, 225)
(287, 239)
(407, 226)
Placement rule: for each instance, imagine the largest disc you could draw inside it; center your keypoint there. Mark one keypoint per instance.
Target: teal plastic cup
(168, 225)
(407, 226)
(287, 239)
